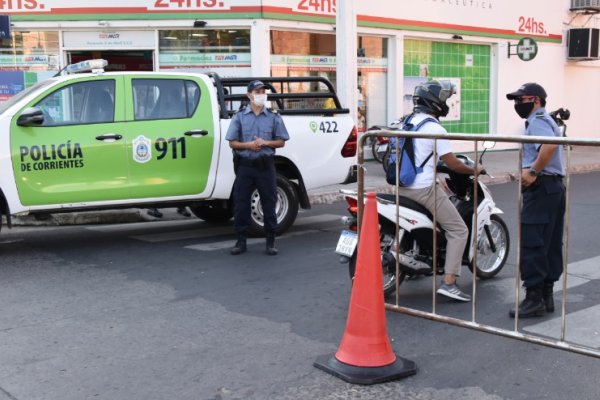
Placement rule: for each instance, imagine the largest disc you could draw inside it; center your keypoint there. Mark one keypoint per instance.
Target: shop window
(314, 54)
(80, 103)
(25, 59)
(164, 98)
(225, 51)
(466, 65)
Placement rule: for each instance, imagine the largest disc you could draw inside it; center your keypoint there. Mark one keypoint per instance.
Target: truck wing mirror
(33, 116)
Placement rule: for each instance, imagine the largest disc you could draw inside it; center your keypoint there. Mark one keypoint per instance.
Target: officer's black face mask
(524, 109)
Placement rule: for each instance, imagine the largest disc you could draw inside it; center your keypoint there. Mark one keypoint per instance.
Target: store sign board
(323, 63)
(496, 18)
(527, 49)
(109, 40)
(17, 7)
(501, 17)
(23, 60)
(4, 26)
(205, 59)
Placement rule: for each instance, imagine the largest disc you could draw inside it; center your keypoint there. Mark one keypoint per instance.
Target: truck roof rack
(302, 95)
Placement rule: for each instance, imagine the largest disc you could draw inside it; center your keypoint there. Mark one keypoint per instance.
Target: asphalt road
(160, 310)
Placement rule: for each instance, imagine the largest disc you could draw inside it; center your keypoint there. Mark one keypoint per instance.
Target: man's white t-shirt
(424, 147)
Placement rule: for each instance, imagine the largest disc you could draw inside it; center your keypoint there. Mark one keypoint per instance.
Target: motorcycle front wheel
(490, 262)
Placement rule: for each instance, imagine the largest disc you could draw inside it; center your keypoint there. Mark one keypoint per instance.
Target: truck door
(77, 153)
(170, 138)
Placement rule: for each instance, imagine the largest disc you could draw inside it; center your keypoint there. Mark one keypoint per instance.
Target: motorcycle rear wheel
(490, 263)
(389, 277)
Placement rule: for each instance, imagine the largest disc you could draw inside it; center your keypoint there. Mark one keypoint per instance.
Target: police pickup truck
(96, 140)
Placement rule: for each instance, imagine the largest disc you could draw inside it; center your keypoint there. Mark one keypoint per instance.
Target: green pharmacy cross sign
(527, 49)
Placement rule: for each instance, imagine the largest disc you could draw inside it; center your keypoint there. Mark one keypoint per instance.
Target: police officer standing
(543, 204)
(254, 134)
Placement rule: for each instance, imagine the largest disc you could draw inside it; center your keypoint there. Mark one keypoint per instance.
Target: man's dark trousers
(264, 179)
(542, 231)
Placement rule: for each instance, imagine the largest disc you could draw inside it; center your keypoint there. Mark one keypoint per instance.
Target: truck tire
(286, 208)
(211, 212)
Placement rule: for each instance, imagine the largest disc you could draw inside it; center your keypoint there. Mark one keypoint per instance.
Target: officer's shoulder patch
(539, 114)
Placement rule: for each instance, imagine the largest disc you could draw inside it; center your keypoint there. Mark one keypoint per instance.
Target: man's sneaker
(453, 291)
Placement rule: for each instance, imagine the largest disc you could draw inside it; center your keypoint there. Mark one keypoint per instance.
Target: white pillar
(346, 62)
(395, 93)
(260, 43)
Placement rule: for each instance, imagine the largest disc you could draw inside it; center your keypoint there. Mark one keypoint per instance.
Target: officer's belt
(555, 178)
(260, 162)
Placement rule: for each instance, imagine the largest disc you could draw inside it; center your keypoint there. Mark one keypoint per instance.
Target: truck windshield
(16, 98)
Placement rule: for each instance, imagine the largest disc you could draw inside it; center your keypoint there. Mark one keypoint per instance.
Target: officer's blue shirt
(246, 126)
(539, 123)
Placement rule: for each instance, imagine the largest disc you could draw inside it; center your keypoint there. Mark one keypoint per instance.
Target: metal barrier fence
(560, 343)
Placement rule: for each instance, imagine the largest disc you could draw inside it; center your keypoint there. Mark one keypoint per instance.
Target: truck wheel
(211, 212)
(286, 209)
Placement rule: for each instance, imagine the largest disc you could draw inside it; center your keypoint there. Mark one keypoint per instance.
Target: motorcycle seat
(405, 202)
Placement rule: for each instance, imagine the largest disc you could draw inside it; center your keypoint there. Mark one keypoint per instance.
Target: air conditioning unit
(585, 5)
(583, 44)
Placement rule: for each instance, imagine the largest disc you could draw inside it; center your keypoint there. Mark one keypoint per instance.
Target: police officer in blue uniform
(542, 218)
(254, 134)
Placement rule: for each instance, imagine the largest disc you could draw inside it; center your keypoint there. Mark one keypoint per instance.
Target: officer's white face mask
(260, 99)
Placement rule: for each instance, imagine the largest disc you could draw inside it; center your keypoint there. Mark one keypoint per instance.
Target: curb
(120, 216)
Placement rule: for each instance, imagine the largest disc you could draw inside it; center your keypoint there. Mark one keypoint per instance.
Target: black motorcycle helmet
(430, 97)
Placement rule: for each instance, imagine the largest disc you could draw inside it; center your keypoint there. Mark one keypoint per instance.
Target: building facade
(399, 44)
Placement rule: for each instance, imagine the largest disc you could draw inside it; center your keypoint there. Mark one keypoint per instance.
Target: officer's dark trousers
(542, 231)
(248, 178)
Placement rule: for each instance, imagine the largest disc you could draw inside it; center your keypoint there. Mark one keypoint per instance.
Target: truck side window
(80, 103)
(164, 98)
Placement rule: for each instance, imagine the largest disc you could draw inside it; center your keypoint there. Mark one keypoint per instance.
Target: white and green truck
(96, 140)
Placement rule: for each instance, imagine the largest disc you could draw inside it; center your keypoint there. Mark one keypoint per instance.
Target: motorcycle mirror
(488, 144)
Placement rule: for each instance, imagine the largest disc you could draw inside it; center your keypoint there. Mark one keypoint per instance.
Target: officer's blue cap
(528, 89)
(255, 85)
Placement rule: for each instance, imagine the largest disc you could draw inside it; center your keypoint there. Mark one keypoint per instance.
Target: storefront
(399, 45)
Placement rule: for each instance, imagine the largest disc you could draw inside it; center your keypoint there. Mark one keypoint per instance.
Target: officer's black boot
(548, 296)
(533, 305)
(271, 250)
(240, 246)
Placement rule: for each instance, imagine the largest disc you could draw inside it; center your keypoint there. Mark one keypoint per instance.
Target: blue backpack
(408, 169)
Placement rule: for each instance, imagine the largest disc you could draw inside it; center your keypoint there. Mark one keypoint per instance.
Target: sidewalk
(502, 166)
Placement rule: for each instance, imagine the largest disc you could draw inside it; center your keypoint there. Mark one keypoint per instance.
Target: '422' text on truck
(90, 141)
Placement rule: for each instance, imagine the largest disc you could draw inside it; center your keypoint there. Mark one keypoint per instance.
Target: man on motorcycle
(429, 100)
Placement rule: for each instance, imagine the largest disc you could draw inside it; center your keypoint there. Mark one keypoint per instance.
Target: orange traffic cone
(365, 355)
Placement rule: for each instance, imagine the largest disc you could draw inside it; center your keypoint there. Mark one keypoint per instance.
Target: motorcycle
(560, 116)
(415, 238)
(379, 147)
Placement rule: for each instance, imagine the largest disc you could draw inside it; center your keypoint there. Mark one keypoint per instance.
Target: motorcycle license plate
(347, 243)
(382, 148)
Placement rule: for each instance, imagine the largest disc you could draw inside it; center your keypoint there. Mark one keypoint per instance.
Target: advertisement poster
(411, 82)
(12, 82)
